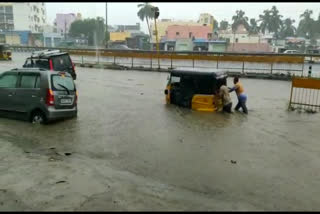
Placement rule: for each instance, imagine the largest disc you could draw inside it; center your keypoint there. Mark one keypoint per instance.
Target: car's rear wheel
(38, 118)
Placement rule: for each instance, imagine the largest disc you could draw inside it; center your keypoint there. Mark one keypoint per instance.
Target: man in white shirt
(225, 96)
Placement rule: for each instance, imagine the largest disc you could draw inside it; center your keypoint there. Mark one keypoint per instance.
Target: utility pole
(107, 33)
(65, 26)
(156, 15)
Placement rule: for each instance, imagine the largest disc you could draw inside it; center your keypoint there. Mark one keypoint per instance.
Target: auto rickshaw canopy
(4, 47)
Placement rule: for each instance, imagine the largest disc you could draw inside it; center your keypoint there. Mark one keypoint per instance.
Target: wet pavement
(128, 150)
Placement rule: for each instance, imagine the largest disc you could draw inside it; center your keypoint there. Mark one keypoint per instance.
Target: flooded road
(128, 150)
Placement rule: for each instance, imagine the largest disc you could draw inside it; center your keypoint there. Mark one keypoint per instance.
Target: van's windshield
(60, 82)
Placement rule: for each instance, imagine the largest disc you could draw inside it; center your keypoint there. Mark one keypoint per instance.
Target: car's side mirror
(166, 92)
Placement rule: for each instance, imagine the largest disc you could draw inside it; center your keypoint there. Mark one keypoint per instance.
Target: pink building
(63, 22)
(185, 32)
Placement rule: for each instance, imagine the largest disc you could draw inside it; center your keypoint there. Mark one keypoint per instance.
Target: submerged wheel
(38, 118)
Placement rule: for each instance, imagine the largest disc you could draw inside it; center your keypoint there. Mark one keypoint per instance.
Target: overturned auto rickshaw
(195, 89)
(5, 52)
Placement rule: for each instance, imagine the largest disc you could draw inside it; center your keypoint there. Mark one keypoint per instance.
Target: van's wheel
(38, 118)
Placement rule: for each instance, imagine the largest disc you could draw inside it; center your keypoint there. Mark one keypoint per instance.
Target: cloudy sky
(126, 13)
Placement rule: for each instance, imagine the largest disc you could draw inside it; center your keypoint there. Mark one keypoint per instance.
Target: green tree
(224, 25)
(239, 19)
(92, 29)
(146, 12)
(253, 28)
(276, 22)
(265, 20)
(306, 25)
(287, 29)
(215, 25)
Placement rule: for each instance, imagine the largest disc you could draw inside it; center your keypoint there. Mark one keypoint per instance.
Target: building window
(209, 35)
(190, 34)
(237, 40)
(8, 9)
(206, 20)
(177, 33)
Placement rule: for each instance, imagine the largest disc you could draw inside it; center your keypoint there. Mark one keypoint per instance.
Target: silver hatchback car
(38, 94)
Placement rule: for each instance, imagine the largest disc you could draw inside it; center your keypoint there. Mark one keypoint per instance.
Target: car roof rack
(44, 52)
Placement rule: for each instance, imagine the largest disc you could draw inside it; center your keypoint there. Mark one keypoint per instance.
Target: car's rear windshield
(61, 63)
(60, 82)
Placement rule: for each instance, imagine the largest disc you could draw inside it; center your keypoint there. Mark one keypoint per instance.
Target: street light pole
(157, 40)
(107, 33)
(156, 15)
(65, 26)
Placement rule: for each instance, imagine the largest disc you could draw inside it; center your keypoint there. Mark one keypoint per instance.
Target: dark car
(38, 95)
(51, 60)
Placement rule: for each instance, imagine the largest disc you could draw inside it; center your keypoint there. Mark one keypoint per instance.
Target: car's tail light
(50, 97)
(50, 64)
(73, 67)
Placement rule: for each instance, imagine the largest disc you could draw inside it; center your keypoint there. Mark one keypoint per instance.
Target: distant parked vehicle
(121, 47)
(291, 52)
(51, 60)
(38, 95)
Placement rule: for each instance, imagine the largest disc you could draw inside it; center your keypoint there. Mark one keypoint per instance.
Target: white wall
(23, 16)
(242, 38)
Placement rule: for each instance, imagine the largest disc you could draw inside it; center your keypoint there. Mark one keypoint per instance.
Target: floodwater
(128, 150)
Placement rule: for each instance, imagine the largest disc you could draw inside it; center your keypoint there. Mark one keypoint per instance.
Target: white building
(241, 35)
(49, 29)
(23, 16)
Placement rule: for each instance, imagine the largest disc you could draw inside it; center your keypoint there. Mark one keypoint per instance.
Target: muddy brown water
(159, 157)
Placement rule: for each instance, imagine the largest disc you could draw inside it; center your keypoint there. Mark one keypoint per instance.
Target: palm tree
(253, 28)
(224, 25)
(275, 21)
(238, 19)
(287, 28)
(146, 12)
(265, 21)
(306, 24)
